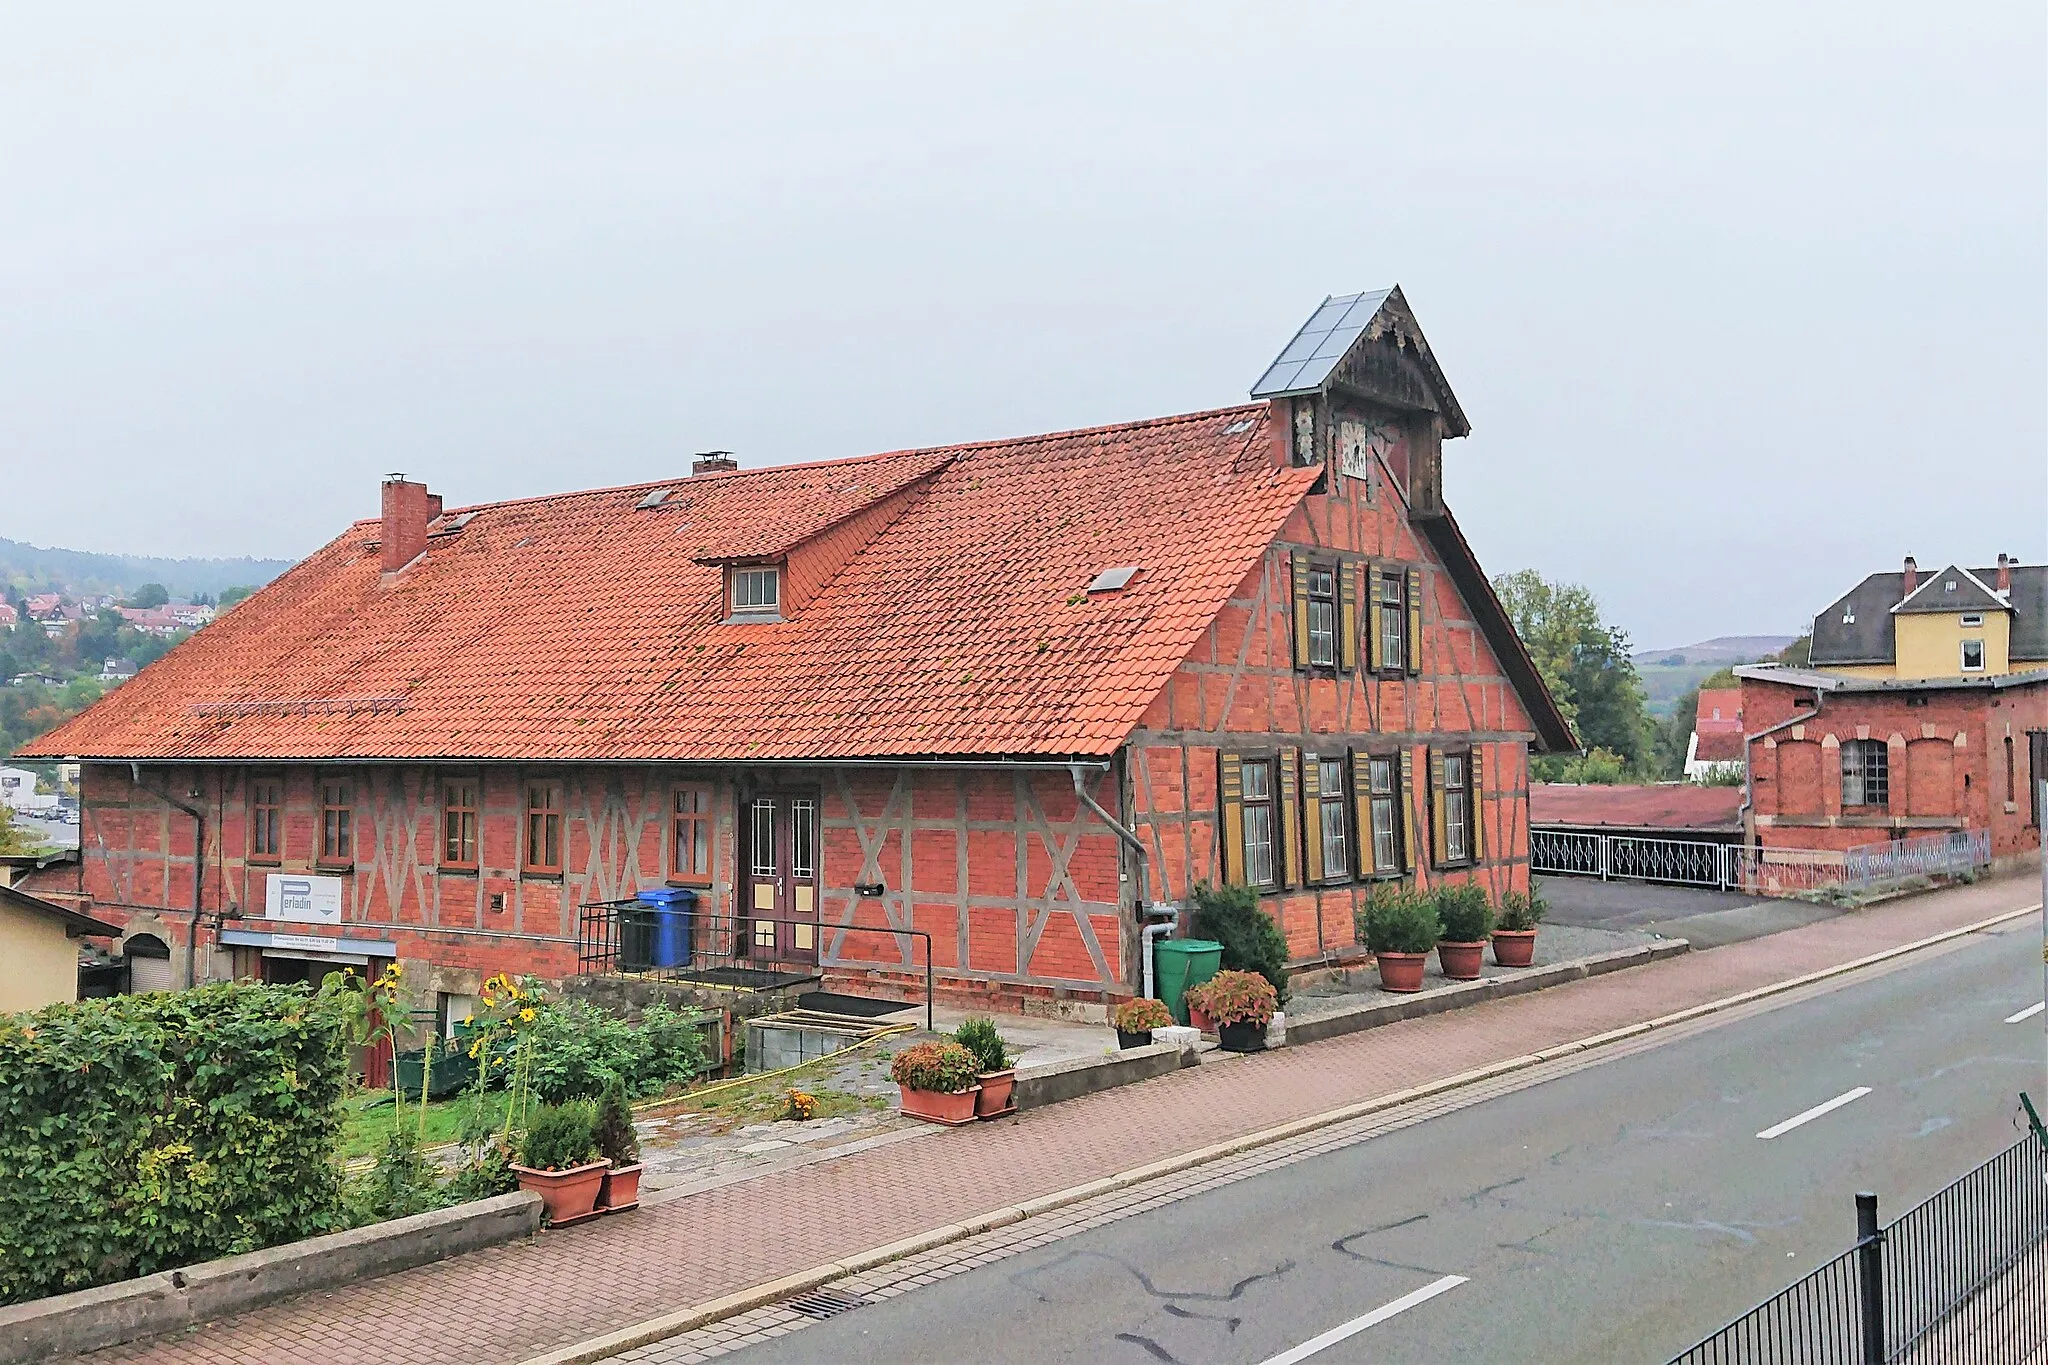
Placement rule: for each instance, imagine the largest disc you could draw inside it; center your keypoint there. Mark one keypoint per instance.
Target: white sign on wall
(302, 900)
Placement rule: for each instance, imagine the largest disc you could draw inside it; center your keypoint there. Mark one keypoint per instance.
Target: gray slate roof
(1869, 638)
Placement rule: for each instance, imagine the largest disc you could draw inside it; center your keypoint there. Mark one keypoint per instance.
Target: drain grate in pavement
(825, 1303)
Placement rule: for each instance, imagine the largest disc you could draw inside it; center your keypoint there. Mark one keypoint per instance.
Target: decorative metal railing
(1758, 871)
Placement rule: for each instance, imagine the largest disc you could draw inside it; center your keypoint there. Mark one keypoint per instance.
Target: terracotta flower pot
(992, 1100)
(1514, 947)
(1243, 1037)
(1142, 1038)
(934, 1106)
(568, 1196)
(1401, 971)
(621, 1188)
(1199, 1021)
(1462, 961)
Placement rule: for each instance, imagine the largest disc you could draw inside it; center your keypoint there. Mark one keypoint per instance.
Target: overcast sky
(1743, 300)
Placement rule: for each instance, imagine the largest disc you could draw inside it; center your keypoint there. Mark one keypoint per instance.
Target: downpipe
(1154, 910)
(198, 872)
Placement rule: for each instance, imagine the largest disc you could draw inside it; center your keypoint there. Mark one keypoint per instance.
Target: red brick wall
(1947, 764)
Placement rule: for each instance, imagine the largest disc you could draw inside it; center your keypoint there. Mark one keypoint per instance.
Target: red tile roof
(1718, 723)
(579, 626)
(1673, 806)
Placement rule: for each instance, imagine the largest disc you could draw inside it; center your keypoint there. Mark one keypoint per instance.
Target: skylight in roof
(654, 499)
(1114, 580)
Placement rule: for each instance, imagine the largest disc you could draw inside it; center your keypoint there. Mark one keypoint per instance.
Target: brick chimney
(1911, 579)
(714, 462)
(407, 510)
(2005, 563)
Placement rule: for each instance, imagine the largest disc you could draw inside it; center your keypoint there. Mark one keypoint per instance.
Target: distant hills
(1669, 674)
(31, 568)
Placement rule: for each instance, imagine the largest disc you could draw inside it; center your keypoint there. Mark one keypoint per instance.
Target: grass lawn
(368, 1120)
(762, 1100)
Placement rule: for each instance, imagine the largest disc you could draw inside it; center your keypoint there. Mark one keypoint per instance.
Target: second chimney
(714, 462)
(406, 514)
(1911, 579)
(2005, 563)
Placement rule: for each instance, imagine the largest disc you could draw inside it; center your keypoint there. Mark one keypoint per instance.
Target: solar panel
(1306, 361)
(654, 499)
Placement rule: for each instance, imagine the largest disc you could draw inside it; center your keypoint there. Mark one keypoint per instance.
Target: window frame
(469, 816)
(768, 610)
(337, 823)
(1971, 620)
(1395, 865)
(1267, 806)
(266, 817)
(702, 824)
(542, 825)
(1869, 749)
(1963, 655)
(1457, 807)
(1325, 801)
(1392, 645)
(1324, 601)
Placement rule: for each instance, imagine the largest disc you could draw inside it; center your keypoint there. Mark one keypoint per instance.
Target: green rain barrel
(1178, 963)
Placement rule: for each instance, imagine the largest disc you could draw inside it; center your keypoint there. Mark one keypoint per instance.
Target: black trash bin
(637, 926)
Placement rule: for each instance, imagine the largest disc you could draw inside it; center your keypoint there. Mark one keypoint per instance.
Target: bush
(1232, 916)
(579, 1050)
(1238, 998)
(402, 1183)
(1143, 1015)
(1463, 913)
(144, 1132)
(616, 1140)
(1399, 922)
(947, 1068)
(1521, 910)
(559, 1136)
(978, 1035)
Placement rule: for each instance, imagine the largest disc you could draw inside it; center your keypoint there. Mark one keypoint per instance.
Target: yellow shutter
(1312, 811)
(1404, 797)
(1298, 565)
(1414, 622)
(1347, 616)
(1475, 803)
(1436, 808)
(1288, 798)
(1230, 817)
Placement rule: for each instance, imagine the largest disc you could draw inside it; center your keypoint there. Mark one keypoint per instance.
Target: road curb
(688, 1319)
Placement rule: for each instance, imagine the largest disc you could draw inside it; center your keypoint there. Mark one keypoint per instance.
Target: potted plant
(1465, 917)
(558, 1161)
(997, 1072)
(618, 1144)
(1135, 1020)
(1514, 929)
(1196, 998)
(1242, 1004)
(1400, 928)
(937, 1080)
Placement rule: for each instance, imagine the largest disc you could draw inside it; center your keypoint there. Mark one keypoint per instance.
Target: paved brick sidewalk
(512, 1302)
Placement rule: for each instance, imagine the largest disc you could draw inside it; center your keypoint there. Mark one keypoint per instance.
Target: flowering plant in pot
(937, 1081)
(1514, 929)
(619, 1145)
(996, 1066)
(558, 1160)
(1242, 1004)
(1400, 928)
(1465, 918)
(1135, 1020)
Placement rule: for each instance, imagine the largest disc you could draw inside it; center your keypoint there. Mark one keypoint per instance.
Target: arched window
(149, 964)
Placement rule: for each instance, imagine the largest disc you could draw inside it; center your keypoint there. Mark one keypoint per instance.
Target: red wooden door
(782, 878)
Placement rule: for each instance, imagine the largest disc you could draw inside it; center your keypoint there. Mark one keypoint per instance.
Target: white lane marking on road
(1357, 1325)
(2025, 1014)
(1779, 1129)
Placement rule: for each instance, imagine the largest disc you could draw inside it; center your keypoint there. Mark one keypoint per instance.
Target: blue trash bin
(671, 909)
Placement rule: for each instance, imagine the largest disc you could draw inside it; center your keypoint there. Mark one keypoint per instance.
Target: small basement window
(757, 592)
(1114, 580)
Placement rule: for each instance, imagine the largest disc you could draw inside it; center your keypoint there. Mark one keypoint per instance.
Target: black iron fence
(1961, 1277)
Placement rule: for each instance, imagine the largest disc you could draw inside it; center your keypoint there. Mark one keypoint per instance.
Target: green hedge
(151, 1131)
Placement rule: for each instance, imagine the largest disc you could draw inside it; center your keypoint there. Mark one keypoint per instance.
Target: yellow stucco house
(39, 950)
(1955, 623)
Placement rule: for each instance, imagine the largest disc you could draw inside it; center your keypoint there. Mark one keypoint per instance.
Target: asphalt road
(1617, 1213)
(1704, 918)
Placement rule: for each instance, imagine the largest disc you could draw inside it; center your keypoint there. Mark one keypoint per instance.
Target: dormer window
(757, 594)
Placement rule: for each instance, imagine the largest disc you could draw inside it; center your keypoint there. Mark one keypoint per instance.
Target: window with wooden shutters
(1404, 797)
(1259, 822)
(1392, 613)
(1298, 568)
(1476, 781)
(1347, 616)
(337, 823)
(458, 823)
(1331, 817)
(1322, 617)
(1452, 776)
(1438, 856)
(1380, 802)
(1288, 798)
(1230, 817)
(266, 820)
(1414, 661)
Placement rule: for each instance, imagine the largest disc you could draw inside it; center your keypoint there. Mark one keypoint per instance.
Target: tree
(1798, 654)
(230, 596)
(14, 839)
(1585, 663)
(150, 595)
